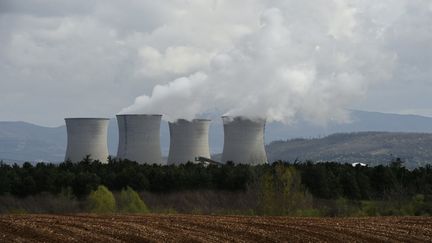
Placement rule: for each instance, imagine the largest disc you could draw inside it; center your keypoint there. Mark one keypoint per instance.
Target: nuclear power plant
(188, 140)
(139, 138)
(87, 136)
(244, 140)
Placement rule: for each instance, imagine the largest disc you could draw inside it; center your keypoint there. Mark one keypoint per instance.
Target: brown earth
(199, 228)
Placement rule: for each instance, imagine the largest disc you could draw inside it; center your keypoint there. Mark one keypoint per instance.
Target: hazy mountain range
(372, 148)
(20, 141)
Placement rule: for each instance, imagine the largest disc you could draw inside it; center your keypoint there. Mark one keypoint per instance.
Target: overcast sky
(63, 58)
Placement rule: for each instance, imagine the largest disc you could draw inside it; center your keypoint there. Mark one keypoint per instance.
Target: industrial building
(87, 136)
(188, 140)
(244, 140)
(139, 138)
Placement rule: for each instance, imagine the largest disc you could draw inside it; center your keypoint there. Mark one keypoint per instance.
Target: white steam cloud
(311, 64)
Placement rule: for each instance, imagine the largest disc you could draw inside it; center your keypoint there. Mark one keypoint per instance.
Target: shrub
(17, 211)
(130, 202)
(101, 201)
(309, 212)
(281, 192)
(370, 208)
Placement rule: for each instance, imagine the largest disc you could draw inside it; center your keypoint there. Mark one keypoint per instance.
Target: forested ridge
(373, 148)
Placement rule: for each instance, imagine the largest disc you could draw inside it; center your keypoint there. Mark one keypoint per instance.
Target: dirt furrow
(200, 228)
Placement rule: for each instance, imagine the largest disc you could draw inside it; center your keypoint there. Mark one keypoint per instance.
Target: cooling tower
(87, 136)
(244, 140)
(189, 139)
(139, 138)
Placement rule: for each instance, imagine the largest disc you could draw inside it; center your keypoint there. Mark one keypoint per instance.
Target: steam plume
(311, 65)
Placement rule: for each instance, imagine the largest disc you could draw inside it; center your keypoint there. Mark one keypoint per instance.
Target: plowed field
(196, 228)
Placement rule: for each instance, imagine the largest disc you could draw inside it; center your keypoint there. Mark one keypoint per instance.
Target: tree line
(322, 180)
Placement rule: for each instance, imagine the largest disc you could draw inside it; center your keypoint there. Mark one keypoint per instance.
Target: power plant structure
(244, 140)
(139, 138)
(188, 140)
(87, 137)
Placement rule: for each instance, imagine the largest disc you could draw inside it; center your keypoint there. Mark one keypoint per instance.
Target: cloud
(279, 58)
(282, 71)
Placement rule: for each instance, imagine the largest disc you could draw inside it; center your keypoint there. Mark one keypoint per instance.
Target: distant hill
(20, 141)
(362, 121)
(367, 147)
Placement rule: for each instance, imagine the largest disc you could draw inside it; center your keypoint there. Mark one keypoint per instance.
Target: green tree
(281, 192)
(5, 181)
(267, 195)
(84, 183)
(292, 195)
(350, 185)
(101, 201)
(130, 202)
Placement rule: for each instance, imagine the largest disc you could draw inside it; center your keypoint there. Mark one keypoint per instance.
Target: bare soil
(201, 228)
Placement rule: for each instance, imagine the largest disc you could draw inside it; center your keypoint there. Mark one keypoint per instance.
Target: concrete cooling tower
(87, 136)
(244, 140)
(189, 139)
(139, 138)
